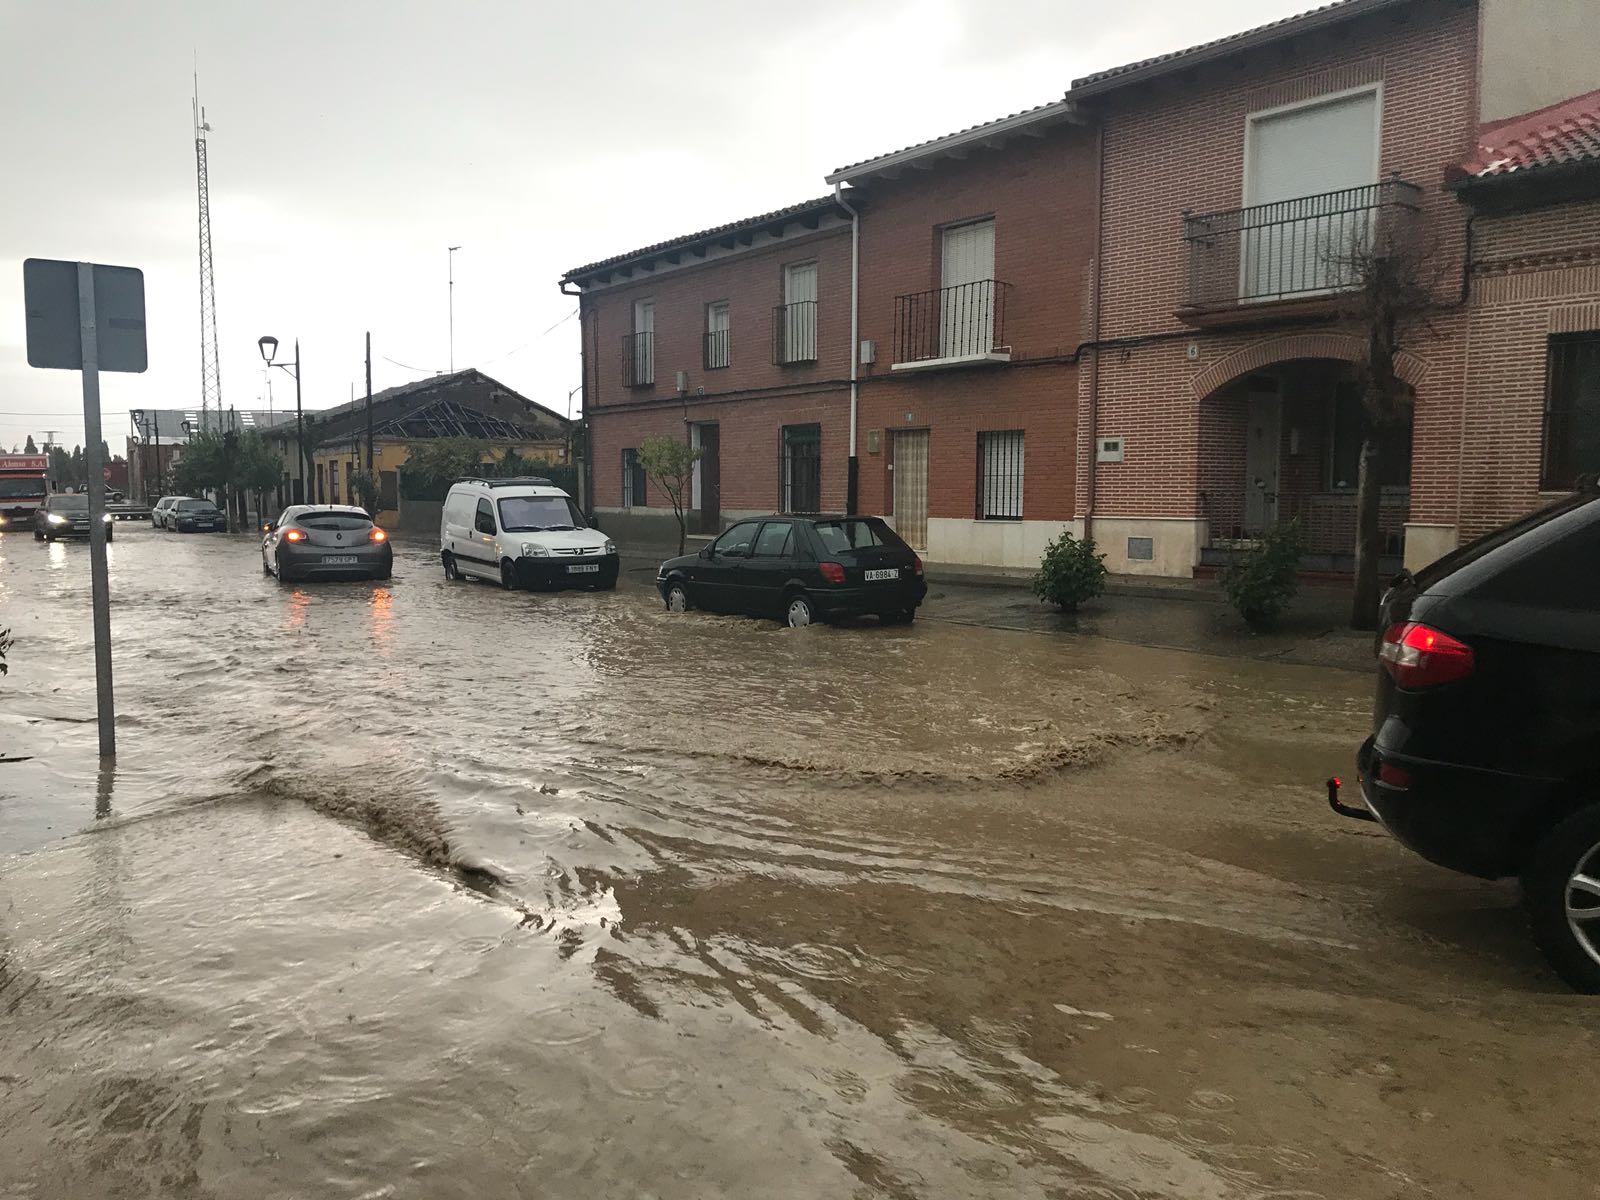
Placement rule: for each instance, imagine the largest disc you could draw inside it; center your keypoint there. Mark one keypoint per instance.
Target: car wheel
(904, 617)
(385, 572)
(452, 573)
(283, 573)
(677, 598)
(799, 613)
(508, 575)
(1561, 891)
(110, 537)
(266, 568)
(38, 535)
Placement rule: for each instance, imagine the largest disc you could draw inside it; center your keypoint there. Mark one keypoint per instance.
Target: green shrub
(1260, 583)
(1070, 572)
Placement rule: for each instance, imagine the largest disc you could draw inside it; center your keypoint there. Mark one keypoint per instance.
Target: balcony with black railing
(1291, 251)
(794, 333)
(638, 359)
(718, 349)
(951, 326)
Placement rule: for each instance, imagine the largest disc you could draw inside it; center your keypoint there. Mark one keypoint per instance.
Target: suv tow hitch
(1345, 810)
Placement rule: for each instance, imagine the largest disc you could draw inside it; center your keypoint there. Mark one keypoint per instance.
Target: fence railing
(966, 320)
(638, 359)
(718, 349)
(1290, 248)
(794, 333)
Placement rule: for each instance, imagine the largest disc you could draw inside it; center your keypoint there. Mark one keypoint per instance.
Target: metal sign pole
(99, 582)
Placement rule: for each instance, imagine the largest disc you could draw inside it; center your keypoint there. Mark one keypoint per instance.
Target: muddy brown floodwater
(428, 890)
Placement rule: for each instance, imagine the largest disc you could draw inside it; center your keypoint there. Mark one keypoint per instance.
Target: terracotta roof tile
(1564, 133)
(819, 205)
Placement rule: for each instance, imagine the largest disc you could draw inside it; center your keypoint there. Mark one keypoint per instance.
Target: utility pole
(370, 476)
(451, 258)
(155, 425)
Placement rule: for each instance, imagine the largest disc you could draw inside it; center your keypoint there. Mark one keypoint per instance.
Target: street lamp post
(450, 257)
(269, 348)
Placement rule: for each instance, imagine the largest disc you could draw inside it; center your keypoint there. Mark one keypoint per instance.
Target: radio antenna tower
(210, 370)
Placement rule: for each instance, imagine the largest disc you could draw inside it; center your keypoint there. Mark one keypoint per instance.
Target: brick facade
(1088, 199)
(1178, 145)
(1537, 273)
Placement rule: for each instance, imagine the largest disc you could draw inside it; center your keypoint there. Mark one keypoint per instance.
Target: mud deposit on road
(427, 890)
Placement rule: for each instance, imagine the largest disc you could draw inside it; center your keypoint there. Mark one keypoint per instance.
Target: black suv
(1485, 755)
(800, 569)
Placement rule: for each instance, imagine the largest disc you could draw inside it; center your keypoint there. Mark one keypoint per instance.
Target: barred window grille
(717, 334)
(1571, 409)
(801, 469)
(633, 481)
(1000, 475)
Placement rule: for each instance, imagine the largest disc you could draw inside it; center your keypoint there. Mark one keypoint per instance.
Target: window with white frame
(718, 350)
(1000, 475)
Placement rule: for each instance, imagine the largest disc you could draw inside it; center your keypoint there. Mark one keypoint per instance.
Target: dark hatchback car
(66, 514)
(197, 516)
(1485, 755)
(800, 569)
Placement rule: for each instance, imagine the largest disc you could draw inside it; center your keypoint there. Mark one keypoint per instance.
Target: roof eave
(1092, 86)
(1505, 186)
(913, 156)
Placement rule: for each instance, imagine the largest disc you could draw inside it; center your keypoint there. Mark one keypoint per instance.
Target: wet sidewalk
(1172, 614)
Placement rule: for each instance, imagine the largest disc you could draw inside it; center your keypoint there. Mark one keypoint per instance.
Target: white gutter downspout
(853, 478)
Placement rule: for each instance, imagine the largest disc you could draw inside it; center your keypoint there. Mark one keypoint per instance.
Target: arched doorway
(1282, 443)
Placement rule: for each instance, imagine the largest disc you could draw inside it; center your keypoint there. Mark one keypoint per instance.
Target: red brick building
(1120, 313)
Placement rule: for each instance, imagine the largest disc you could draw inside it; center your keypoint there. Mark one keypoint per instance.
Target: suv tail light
(831, 572)
(1419, 656)
(377, 535)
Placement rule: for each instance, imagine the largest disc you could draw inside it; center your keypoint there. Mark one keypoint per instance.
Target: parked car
(325, 541)
(1485, 754)
(163, 506)
(65, 514)
(800, 569)
(522, 533)
(196, 516)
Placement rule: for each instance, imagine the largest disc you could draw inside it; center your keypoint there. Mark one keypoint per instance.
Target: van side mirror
(706, 552)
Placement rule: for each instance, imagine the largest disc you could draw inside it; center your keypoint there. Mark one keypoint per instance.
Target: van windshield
(20, 489)
(535, 514)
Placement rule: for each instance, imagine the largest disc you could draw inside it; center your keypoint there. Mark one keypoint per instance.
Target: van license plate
(875, 576)
(338, 560)
(584, 569)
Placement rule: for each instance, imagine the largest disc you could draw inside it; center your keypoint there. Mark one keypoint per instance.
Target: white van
(522, 533)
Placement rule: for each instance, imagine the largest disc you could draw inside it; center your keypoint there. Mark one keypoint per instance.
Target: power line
(488, 361)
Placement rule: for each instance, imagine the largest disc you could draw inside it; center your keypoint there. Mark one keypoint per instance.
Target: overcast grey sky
(353, 141)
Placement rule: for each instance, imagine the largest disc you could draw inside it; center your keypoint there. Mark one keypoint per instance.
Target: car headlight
(56, 519)
(534, 550)
(106, 517)
(611, 547)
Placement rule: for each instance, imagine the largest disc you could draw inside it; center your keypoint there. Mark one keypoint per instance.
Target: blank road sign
(50, 296)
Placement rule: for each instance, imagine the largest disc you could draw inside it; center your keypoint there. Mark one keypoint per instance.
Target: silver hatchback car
(325, 541)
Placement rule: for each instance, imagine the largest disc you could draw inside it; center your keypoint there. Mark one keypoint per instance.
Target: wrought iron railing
(966, 320)
(1307, 246)
(794, 333)
(638, 359)
(718, 349)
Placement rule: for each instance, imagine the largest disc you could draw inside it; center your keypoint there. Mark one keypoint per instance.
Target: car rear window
(196, 506)
(859, 534)
(1481, 547)
(329, 521)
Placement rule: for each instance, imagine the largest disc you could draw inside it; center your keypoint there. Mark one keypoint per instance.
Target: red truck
(24, 483)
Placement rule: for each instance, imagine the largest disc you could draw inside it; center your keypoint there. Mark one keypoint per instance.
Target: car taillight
(294, 535)
(917, 558)
(832, 573)
(1419, 656)
(377, 535)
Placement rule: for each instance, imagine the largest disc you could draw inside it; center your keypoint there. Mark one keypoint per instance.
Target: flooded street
(424, 889)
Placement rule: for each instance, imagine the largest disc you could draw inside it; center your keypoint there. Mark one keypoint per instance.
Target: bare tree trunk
(1369, 538)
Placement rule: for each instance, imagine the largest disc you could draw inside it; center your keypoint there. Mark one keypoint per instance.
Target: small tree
(364, 487)
(259, 467)
(671, 464)
(29, 447)
(1394, 282)
(1261, 582)
(432, 466)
